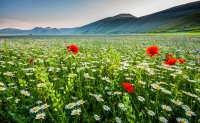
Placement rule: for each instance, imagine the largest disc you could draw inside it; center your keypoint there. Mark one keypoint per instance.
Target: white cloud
(9, 23)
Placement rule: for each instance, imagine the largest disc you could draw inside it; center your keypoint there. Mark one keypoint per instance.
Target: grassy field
(40, 81)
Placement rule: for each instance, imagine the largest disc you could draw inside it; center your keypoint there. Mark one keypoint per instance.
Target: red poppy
(128, 87)
(169, 55)
(73, 48)
(152, 50)
(182, 61)
(170, 61)
(31, 60)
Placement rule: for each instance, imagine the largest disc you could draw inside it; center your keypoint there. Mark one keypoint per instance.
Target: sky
(27, 14)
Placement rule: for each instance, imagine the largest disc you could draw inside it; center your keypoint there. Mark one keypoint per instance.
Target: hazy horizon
(27, 14)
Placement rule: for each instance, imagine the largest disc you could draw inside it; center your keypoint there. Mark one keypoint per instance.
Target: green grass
(58, 78)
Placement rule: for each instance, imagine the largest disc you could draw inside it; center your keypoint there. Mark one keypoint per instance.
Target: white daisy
(166, 91)
(177, 102)
(39, 102)
(97, 117)
(151, 113)
(141, 99)
(182, 120)
(34, 109)
(1, 84)
(80, 102)
(25, 93)
(121, 105)
(44, 106)
(70, 105)
(117, 93)
(109, 93)
(2, 88)
(99, 99)
(40, 85)
(105, 107)
(118, 120)
(76, 112)
(166, 108)
(17, 100)
(40, 116)
(185, 107)
(190, 113)
(163, 119)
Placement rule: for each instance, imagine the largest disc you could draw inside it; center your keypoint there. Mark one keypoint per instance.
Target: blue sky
(27, 14)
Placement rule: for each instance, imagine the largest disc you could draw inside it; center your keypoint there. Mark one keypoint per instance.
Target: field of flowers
(130, 79)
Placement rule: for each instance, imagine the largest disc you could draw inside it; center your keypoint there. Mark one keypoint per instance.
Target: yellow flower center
(41, 85)
(187, 93)
(182, 121)
(71, 104)
(157, 87)
(176, 103)
(76, 112)
(81, 102)
(35, 108)
(150, 112)
(96, 117)
(45, 105)
(106, 107)
(1, 88)
(118, 120)
(117, 92)
(165, 91)
(24, 93)
(189, 112)
(40, 116)
(166, 108)
(163, 120)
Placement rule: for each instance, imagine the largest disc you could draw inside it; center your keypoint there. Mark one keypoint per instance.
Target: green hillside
(190, 23)
(105, 25)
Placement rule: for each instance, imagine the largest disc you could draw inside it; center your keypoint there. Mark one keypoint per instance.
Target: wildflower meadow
(129, 79)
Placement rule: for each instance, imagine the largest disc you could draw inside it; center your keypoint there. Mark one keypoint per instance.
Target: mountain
(13, 31)
(131, 24)
(183, 18)
(68, 30)
(105, 25)
(38, 30)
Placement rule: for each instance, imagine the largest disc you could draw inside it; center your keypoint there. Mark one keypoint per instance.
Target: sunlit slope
(190, 23)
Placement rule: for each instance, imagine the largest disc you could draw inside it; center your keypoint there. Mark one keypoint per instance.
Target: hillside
(105, 25)
(190, 23)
